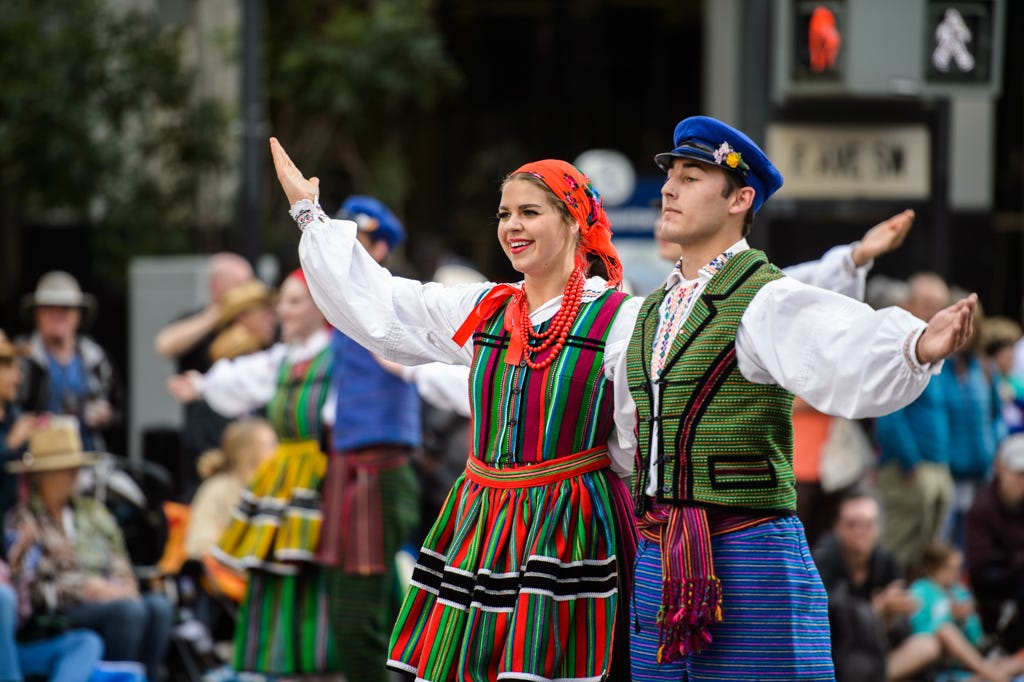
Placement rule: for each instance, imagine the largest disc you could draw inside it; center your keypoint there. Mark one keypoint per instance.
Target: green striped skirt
(283, 625)
(518, 579)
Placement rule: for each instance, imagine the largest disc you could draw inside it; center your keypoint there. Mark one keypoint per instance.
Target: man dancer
(370, 493)
(713, 364)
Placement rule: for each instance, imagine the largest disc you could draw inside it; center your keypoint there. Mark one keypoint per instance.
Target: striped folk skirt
(774, 611)
(276, 526)
(517, 579)
(283, 624)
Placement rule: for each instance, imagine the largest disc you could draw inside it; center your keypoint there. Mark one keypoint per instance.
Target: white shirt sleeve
(446, 387)
(622, 442)
(399, 319)
(838, 354)
(834, 271)
(237, 386)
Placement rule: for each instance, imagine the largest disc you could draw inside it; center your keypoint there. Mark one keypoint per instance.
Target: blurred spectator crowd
(917, 517)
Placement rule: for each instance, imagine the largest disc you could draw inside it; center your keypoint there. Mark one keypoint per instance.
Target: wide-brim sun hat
(59, 289)
(242, 298)
(55, 446)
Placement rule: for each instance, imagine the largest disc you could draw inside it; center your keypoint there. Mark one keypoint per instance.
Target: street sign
(851, 161)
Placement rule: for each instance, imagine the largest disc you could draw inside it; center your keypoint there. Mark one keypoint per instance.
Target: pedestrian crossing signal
(882, 48)
(819, 41)
(958, 38)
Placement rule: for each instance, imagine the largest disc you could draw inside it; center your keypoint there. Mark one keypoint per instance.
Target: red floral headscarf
(575, 190)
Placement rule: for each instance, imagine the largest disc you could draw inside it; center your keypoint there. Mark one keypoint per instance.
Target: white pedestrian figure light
(951, 38)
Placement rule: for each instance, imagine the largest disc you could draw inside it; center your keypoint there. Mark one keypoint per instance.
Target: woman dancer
(274, 531)
(520, 575)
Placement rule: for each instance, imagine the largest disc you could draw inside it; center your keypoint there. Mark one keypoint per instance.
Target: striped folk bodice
(299, 397)
(523, 416)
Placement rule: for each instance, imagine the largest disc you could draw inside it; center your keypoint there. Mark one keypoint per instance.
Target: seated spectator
(15, 426)
(995, 547)
(67, 657)
(868, 605)
(1000, 335)
(946, 610)
(247, 443)
(67, 372)
(78, 567)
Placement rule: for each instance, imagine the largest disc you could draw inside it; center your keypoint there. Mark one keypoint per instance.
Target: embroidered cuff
(910, 352)
(305, 211)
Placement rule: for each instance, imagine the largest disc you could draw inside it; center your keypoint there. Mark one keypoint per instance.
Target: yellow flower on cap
(732, 160)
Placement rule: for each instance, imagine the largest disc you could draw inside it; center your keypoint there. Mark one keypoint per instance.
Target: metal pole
(940, 188)
(254, 129)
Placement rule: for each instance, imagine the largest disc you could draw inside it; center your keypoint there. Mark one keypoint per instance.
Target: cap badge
(726, 155)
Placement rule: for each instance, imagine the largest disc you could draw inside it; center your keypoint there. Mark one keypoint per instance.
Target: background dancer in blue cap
(725, 587)
(370, 491)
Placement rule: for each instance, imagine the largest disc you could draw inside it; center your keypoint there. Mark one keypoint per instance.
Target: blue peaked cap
(707, 139)
(370, 215)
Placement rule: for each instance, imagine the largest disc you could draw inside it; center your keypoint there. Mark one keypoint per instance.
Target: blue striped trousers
(774, 607)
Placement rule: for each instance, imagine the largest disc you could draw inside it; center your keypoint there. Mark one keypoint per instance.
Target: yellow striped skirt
(276, 525)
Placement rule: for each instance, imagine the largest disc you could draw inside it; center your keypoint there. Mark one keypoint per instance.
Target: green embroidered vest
(725, 441)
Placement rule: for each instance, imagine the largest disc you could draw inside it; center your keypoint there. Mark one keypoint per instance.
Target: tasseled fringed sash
(691, 600)
(352, 535)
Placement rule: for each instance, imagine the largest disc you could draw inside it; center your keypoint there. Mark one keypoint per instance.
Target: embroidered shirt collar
(708, 271)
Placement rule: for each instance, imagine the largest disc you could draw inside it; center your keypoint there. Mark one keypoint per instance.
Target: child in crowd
(246, 444)
(947, 611)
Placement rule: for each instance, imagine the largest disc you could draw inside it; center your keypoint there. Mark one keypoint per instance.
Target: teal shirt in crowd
(936, 604)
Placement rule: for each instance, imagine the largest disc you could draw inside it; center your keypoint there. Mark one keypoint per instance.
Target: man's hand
(183, 387)
(948, 331)
(97, 414)
(293, 182)
(22, 430)
(101, 590)
(884, 237)
(894, 601)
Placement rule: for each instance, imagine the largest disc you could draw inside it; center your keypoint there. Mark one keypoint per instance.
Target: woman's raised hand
(294, 184)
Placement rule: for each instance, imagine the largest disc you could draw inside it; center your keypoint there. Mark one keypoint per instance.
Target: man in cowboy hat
(67, 372)
(79, 567)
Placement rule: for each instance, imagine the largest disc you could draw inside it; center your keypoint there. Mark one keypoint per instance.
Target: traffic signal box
(881, 48)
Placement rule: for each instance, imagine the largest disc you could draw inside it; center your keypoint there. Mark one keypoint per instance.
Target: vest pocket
(734, 472)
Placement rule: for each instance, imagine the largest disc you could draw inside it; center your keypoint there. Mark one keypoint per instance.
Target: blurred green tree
(346, 84)
(100, 127)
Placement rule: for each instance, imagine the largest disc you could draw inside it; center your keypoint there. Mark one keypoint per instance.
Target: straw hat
(55, 446)
(58, 288)
(242, 298)
(8, 350)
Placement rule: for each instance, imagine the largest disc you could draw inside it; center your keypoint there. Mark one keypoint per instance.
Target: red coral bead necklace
(561, 323)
